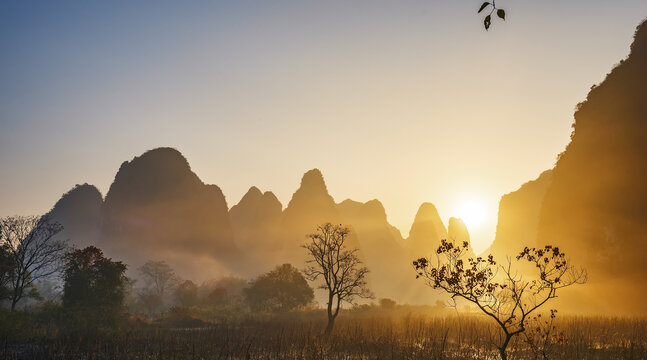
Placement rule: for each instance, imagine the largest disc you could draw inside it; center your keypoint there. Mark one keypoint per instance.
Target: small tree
(281, 289)
(507, 299)
(187, 293)
(34, 250)
(342, 272)
(95, 286)
(159, 280)
(386, 303)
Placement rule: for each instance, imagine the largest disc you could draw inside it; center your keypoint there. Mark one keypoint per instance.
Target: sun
(472, 211)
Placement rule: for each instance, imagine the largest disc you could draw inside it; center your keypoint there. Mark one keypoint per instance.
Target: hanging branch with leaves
(487, 21)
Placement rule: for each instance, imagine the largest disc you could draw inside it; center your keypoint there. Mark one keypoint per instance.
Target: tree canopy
(94, 284)
(279, 290)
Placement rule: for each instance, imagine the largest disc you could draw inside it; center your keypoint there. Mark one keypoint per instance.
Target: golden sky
(407, 101)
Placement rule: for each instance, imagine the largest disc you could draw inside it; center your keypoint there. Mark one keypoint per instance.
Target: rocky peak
(426, 231)
(79, 211)
(427, 223)
(155, 175)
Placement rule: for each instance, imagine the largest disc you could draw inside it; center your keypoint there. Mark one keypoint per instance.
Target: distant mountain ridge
(158, 209)
(256, 220)
(592, 204)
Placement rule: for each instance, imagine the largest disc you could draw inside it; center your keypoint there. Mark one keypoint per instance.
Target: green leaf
(483, 6)
(487, 22)
(501, 13)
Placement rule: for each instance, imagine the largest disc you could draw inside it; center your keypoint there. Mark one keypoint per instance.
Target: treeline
(47, 287)
(97, 295)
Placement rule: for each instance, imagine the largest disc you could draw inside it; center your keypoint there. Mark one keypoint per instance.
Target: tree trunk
(331, 323)
(17, 294)
(331, 317)
(503, 354)
(503, 347)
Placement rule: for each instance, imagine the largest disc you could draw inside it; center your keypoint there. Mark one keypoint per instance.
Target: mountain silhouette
(310, 205)
(256, 220)
(426, 232)
(381, 244)
(158, 208)
(385, 253)
(81, 212)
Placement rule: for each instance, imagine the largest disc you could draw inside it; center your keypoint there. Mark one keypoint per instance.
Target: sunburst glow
(472, 211)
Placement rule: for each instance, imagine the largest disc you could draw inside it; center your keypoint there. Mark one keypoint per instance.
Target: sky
(405, 101)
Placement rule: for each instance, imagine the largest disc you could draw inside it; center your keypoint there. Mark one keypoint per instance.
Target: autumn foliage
(497, 290)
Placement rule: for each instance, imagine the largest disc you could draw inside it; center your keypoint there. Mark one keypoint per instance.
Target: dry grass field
(366, 336)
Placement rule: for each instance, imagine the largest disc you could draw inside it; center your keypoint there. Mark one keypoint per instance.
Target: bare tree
(506, 298)
(34, 249)
(159, 275)
(160, 279)
(341, 269)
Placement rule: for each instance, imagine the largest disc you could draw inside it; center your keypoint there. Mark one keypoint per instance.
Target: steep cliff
(596, 206)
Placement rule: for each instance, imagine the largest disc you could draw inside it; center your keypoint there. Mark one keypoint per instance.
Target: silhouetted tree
(187, 293)
(159, 276)
(35, 251)
(342, 272)
(160, 279)
(387, 303)
(508, 299)
(281, 289)
(94, 286)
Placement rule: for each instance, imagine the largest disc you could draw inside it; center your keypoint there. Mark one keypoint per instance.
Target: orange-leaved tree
(496, 290)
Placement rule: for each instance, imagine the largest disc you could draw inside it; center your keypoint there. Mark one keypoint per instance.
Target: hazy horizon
(405, 102)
